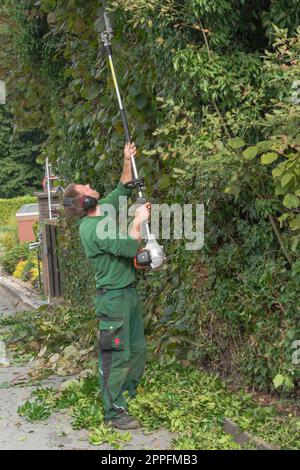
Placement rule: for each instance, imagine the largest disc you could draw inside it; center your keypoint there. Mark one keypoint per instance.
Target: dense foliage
(212, 89)
(9, 236)
(16, 254)
(19, 172)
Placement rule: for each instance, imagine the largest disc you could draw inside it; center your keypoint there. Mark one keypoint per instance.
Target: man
(122, 343)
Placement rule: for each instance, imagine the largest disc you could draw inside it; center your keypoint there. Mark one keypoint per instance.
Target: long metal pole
(48, 188)
(39, 268)
(124, 119)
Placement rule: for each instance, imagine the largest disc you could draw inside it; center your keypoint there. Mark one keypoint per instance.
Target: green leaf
(250, 153)
(48, 5)
(288, 384)
(150, 152)
(263, 146)
(278, 381)
(286, 179)
(232, 189)
(236, 143)
(135, 89)
(90, 92)
(279, 190)
(279, 170)
(283, 218)
(295, 244)
(295, 223)
(164, 182)
(140, 101)
(269, 157)
(179, 171)
(290, 201)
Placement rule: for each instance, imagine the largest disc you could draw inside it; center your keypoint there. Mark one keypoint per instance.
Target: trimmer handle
(136, 183)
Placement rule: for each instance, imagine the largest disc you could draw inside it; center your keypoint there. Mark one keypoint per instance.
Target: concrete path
(19, 291)
(56, 432)
(9, 305)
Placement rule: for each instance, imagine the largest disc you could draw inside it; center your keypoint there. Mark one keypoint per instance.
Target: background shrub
(18, 253)
(9, 207)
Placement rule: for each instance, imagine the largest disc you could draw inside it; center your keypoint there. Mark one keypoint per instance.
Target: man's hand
(142, 214)
(129, 149)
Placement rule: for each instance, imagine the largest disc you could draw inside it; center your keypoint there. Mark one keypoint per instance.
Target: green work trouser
(122, 353)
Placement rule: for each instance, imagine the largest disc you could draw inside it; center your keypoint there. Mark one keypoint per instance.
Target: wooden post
(50, 264)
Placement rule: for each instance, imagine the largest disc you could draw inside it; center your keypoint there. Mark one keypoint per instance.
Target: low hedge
(12, 257)
(8, 207)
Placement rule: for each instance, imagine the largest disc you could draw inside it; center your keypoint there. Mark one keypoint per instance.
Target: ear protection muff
(86, 202)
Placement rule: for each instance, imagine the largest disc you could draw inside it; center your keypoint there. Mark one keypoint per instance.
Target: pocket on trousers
(111, 335)
(111, 304)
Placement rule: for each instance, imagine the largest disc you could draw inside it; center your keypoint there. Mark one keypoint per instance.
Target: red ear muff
(88, 202)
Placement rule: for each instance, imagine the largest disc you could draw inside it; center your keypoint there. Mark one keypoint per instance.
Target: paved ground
(56, 432)
(16, 291)
(8, 303)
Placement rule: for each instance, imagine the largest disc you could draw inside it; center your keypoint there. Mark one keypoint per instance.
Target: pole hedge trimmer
(152, 256)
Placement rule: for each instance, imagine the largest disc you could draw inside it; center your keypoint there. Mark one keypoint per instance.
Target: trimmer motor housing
(152, 256)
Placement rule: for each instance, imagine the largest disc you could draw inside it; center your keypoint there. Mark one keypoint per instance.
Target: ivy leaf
(164, 182)
(140, 101)
(278, 170)
(268, 158)
(135, 89)
(286, 179)
(290, 201)
(179, 171)
(233, 189)
(236, 143)
(288, 384)
(250, 153)
(295, 223)
(279, 190)
(278, 381)
(263, 146)
(283, 218)
(295, 244)
(48, 5)
(90, 92)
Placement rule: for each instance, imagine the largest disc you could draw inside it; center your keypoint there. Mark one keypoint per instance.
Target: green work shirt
(111, 258)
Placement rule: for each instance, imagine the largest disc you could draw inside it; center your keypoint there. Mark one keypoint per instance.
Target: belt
(102, 290)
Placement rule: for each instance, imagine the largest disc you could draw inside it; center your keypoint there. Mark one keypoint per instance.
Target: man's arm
(127, 247)
(113, 197)
(130, 149)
